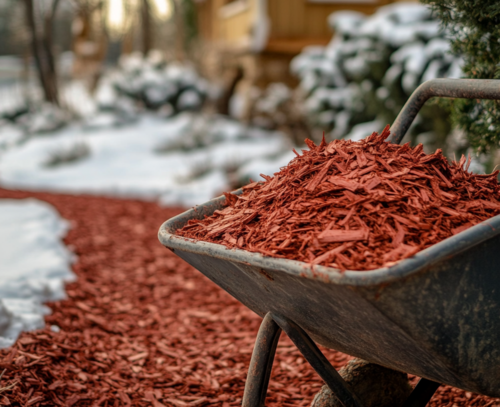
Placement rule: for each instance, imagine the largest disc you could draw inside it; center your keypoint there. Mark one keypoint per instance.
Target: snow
(341, 120)
(46, 118)
(34, 264)
(237, 105)
(409, 81)
(150, 159)
(266, 166)
(346, 21)
(189, 99)
(10, 63)
(392, 74)
(455, 70)
(396, 24)
(437, 47)
(363, 130)
(78, 99)
(105, 95)
(197, 192)
(432, 70)
(407, 51)
(10, 135)
(11, 98)
(275, 95)
(261, 27)
(356, 65)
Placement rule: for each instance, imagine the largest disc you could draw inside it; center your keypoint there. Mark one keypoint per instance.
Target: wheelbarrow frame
(369, 283)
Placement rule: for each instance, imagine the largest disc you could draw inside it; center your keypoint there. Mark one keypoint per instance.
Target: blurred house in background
(251, 42)
(271, 32)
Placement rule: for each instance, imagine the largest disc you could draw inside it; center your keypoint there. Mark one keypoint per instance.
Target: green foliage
(474, 27)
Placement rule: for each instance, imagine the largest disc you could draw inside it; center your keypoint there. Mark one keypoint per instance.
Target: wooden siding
(235, 29)
(293, 23)
(215, 26)
(301, 19)
(204, 13)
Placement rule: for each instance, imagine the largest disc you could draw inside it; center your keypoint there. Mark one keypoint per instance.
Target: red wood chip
(330, 236)
(391, 201)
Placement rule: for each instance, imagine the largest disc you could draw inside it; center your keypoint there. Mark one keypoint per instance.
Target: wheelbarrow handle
(447, 88)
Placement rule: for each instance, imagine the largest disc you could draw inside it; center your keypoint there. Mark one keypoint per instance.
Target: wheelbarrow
(434, 315)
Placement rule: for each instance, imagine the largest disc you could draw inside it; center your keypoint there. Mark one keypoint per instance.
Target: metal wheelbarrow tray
(435, 315)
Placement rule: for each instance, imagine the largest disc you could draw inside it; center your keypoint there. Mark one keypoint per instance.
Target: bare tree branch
(42, 52)
(146, 27)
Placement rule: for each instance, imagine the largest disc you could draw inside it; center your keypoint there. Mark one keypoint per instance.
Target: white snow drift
(181, 161)
(34, 264)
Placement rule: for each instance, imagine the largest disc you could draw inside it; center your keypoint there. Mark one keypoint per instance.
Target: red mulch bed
(142, 328)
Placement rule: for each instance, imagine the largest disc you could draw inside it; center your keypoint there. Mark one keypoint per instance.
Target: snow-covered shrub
(372, 65)
(158, 84)
(10, 135)
(265, 165)
(43, 118)
(204, 131)
(67, 154)
(272, 100)
(278, 108)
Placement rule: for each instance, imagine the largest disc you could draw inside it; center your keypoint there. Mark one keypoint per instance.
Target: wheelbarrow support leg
(421, 394)
(261, 363)
(319, 363)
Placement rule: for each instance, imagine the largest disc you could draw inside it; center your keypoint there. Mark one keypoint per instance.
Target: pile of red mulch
(353, 205)
(142, 328)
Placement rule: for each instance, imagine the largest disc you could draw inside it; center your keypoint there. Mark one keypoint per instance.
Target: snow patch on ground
(183, 160)
(34, 264)
(10, 135)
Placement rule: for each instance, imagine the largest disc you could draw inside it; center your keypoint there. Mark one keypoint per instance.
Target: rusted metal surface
(447, 88)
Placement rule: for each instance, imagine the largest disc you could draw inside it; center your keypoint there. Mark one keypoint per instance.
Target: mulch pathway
(142, 328)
